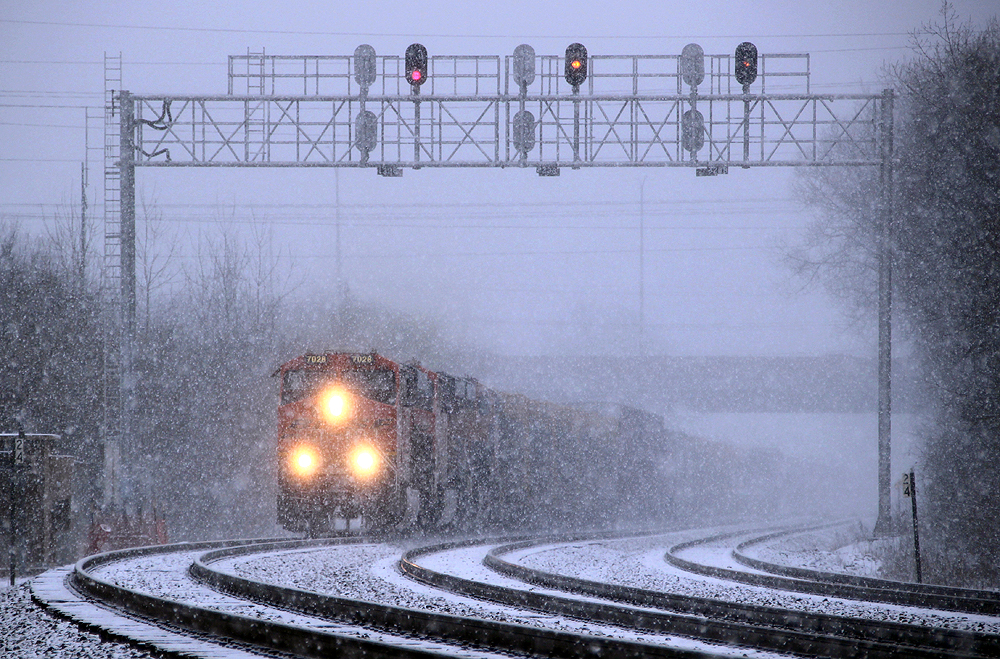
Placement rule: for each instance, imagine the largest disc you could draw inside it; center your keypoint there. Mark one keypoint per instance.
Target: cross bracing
(304, 112)
(475, 131)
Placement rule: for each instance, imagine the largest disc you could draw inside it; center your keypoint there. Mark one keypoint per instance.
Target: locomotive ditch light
(364, 461)
(335, 405)
(304, 461)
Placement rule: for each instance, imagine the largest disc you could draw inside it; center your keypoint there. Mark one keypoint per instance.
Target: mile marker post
(916, 533)
(17, 461)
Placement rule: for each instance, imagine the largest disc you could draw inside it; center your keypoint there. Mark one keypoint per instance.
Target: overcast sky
(520, 264)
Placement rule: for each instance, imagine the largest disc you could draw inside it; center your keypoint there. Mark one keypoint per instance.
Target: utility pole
(340, 278)
(642, 267)
(83, 223)
(83, 197)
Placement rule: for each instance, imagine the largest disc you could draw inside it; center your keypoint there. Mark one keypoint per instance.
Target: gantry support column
(883, 525)
(127, 380)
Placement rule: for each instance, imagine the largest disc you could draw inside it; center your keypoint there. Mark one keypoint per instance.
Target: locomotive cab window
(378, 385)
(425, 390)
(447, 392)
(301, 384)
(419, 391)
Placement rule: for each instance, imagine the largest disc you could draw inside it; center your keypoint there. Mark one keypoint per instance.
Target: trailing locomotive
(360, 435)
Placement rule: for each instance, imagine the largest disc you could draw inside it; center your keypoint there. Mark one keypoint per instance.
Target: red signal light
(416, 65)
(576, 64)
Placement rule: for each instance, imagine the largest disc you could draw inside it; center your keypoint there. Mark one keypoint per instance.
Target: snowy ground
(640, 563)
(29, 632)
(166, 576)
(370, 572)
(839, 549)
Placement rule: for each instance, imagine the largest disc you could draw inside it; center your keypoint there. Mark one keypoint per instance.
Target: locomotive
(360, 435)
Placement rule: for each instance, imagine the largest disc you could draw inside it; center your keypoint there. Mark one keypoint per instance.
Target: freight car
(360, 435)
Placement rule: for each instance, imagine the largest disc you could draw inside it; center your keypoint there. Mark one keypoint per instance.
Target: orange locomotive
(360, 435)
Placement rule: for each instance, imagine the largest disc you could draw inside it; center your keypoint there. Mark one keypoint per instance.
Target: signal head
(416, 65)
(746, 63)
(576, 64)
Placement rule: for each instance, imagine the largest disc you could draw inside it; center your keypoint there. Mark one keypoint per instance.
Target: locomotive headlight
(304, 461)
(364, 461)
(335, 405)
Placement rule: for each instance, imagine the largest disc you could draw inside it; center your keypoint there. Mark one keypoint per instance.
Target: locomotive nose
(335, 404)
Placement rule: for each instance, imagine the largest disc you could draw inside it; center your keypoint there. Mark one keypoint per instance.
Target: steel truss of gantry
(514, 111)
(308, 112)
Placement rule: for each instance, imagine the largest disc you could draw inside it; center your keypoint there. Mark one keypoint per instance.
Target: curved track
(867, 588)
(198, 620)
(267, 619)
(204, 599)
(462, 631)
(761, 627)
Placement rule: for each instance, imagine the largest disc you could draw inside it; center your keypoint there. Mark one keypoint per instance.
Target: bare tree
(72, 243)
(946, 272)
(156, 250)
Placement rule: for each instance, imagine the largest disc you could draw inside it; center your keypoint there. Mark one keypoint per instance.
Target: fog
(508, 267)
(517, 264)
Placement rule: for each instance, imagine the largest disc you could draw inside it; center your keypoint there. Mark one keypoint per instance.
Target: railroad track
(986, 602)
(761, 627)
(270, 618)
(401, 632)
(182, 627)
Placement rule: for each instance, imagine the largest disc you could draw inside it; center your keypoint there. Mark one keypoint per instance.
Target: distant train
(360, 435)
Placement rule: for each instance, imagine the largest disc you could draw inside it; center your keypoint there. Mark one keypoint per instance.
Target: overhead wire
(328, 33)
(398, 220)
(630, 325)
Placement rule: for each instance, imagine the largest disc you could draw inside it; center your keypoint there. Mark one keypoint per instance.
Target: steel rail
(257, 633)
(726, 626)
(952, 598)
(842, 586)
(470, 632)
(917, 640)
